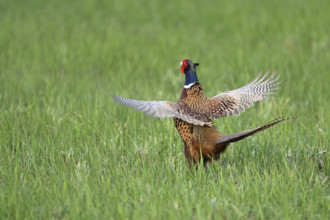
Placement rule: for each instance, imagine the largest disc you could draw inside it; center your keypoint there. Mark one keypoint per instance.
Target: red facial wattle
(183, 66)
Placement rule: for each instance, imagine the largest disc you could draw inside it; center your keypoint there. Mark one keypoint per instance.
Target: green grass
(68, 151)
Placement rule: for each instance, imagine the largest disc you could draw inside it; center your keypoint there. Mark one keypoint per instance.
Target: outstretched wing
(236, 101)
(161, 109)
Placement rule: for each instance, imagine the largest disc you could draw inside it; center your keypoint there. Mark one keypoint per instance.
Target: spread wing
(236, 101)
(161, 109)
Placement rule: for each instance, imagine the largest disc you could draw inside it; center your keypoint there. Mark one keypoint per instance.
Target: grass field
(67, 151)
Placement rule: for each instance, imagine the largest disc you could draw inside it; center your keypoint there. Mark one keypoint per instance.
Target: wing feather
(160, 109)
(236, 101)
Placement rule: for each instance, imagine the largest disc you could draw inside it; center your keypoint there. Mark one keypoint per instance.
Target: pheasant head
(189, 69)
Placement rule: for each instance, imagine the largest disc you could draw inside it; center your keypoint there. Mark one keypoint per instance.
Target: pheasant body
(199, 139)
(193, 113)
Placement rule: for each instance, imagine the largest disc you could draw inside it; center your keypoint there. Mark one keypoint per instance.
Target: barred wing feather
(236, 101)
(160, 109)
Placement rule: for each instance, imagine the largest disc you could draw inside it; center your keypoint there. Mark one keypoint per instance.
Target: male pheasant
(193, 112)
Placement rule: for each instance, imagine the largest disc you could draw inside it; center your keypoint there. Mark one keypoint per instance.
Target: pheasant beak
(181, 63)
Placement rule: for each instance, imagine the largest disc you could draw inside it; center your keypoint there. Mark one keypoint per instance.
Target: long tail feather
(241, 135)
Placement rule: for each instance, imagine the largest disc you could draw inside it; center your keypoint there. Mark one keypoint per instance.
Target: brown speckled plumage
(193, 113)
(199, 139)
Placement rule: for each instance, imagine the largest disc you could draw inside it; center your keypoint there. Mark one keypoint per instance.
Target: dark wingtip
(114, 97)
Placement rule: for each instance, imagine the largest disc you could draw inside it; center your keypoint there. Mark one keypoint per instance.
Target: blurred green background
(68, 151)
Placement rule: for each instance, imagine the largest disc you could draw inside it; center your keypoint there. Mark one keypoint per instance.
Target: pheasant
(193, 113)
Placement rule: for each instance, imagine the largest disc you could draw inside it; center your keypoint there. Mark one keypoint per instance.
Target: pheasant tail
(225, 140)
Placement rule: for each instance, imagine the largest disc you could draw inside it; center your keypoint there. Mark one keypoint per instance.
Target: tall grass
(68, 151)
